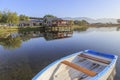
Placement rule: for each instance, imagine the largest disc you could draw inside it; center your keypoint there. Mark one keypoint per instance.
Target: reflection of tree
(4, 35)
(118, 28)
(81, 29)
(25, 36)
(12, 40)
(11, 43)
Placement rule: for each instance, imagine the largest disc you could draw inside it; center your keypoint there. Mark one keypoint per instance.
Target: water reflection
(38, 48)
(13, 40)
(57, 33)
(103, 29)
(118, 28)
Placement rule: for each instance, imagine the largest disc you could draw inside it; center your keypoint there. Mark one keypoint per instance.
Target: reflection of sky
(100, 40)
(103, 29)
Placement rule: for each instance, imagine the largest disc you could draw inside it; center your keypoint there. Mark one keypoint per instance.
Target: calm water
(23, 54)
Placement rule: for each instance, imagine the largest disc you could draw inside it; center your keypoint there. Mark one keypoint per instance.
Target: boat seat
(94, 58)
(81, 69)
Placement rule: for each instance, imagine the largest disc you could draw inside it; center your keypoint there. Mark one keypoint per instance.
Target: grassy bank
(17, 29)
(8, 29)
(20, 29)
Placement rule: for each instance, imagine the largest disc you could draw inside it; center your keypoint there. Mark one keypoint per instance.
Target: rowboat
(84, 65)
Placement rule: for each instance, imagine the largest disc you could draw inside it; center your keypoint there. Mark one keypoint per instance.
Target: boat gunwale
(61, 59)
(55, 62)
(105, 55)
(105, 69)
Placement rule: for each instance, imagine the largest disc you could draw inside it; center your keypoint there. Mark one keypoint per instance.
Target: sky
(64, 8)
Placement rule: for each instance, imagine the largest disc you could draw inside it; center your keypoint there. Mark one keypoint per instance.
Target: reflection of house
(32, 22)
(59, 22)
(57, 35)
(51, 34)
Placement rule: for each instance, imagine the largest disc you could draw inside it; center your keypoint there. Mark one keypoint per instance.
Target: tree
(12, 18)
(23, 17)
(4, 17)
(49, 15)
(84, 22)
(9, 17)
(0, 16)
(71, 22)
(81, 23)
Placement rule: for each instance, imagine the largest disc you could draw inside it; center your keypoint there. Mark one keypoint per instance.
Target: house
(33, 21)
(60, 22)
(48, 21)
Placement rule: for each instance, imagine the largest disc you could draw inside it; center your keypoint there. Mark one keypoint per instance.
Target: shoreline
(28, 28)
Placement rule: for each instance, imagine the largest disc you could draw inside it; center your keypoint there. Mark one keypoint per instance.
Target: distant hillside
(90, 20)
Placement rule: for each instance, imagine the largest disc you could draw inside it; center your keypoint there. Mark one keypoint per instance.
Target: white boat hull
(59, 71)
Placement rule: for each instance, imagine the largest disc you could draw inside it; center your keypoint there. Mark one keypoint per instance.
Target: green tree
(9, 17)
(0, 16)
(71, 22)
(12, 18)
(81, 23)
(49, 15)
(23, 17)
(84, 22)
(4, 17)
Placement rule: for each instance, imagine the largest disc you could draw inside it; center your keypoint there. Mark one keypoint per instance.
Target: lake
(24, 53)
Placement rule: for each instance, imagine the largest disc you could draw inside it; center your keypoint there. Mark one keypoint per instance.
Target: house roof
(36, 18)
(51, 19)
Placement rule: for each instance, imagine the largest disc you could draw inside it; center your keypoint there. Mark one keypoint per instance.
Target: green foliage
(9, 17)
(0, 16)
(49, 15)
(4, 17)
(71, 22)
(12, 18)
(81, 23)
(23, 17)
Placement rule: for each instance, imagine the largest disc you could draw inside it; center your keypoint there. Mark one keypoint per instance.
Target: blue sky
(64, 8)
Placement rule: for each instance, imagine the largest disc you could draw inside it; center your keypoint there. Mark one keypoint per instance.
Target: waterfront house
(33, 21)
(48, 21)
(44, 22)
(60, 22)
